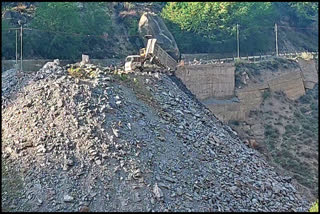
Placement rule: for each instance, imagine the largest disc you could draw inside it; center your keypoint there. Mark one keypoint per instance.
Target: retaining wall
(309, 71)
(207, 81)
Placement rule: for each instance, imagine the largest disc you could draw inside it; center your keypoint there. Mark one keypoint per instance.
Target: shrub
(234, 122)
(271, 132)
(315, 207)
(266, 93)
(82, 73)
(305, 99)
(314, 106)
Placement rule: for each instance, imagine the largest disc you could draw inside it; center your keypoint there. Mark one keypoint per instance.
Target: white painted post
(238, 45)
(21, 48)
(276, 32)
(16, 47)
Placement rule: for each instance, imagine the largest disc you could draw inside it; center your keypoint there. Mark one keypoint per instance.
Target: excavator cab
(142, 53)
(132, 62)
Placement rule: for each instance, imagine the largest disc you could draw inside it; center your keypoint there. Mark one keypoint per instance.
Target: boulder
(151, 24)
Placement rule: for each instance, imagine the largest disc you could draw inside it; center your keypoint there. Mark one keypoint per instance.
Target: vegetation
(211, 30)
(271, 132)
(82, 73)
(315, 207)
(7, 37)
(62, 28)
(266, 93)
(214, 29)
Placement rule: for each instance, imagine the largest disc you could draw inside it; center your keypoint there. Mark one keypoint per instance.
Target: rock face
(76, 145)
(151, 24)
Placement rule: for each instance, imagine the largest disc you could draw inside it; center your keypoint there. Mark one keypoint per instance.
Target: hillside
(94, 138)
(113, 28)
(128, 143)
(286, 132)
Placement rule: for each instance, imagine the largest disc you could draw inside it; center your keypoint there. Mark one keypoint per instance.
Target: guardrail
(249, 58)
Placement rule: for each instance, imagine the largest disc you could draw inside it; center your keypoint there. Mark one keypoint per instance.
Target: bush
(305, 99)
(266, 93)
(234, 122)
(303, 110)
(271, 132)
(315, 207)
(314, 106)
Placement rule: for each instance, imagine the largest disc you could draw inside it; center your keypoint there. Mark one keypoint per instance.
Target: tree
(306, 10)
(96, 21)
(217, 21)
(67, 25)
(54, 17)
(8, 40)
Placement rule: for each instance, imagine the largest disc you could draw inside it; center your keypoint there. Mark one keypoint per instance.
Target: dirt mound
(128, 143)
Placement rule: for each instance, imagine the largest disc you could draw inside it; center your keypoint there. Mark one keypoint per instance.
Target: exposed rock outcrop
(152, 24)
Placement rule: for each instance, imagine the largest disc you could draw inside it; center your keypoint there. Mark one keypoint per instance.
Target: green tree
(67, 25)
(217, 21)
(96, 21)
(306, 10)
(8, 40)
(55, 17)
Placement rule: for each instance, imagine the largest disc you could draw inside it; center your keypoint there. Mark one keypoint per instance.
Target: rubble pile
(83, 71)
(93, 144)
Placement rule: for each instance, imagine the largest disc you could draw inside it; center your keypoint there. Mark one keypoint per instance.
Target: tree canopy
(217, 22)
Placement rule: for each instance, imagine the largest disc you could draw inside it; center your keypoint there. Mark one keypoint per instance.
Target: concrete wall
(309, 71)
(207, 81)
(228, 111)
(217, 81)
(290, 83)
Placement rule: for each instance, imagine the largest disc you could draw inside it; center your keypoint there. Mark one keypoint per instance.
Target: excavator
(149, 57)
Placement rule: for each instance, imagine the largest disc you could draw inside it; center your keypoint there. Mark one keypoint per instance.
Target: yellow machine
(152, 54)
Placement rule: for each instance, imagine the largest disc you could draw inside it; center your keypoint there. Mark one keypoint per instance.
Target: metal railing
(250, 58)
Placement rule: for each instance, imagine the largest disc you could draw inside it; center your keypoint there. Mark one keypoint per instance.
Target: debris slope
(128, 142)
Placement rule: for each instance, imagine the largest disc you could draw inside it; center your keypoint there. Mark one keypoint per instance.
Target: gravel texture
(134, 142)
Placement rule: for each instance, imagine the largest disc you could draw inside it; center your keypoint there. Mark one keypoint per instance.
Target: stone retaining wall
(207, 81)
(309, 71)
(204, 81)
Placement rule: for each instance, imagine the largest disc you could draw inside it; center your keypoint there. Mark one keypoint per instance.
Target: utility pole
(238, 51)
(276, 32)
(16, 47)
(21, 47)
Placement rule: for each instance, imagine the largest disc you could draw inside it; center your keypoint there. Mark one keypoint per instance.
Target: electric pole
(21, 47)
(276, 32)
(16, 47)
(238, 51)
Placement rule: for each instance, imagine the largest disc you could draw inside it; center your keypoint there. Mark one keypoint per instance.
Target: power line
(282, 26)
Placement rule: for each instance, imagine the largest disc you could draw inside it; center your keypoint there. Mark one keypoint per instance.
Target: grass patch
(83, 73)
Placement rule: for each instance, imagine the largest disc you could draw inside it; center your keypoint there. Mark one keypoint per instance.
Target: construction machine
(150, 56)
